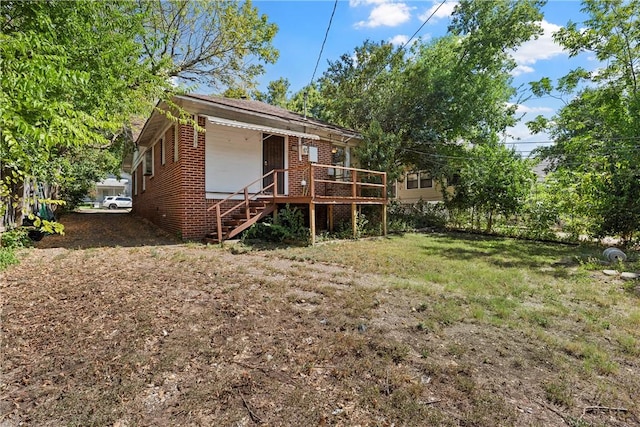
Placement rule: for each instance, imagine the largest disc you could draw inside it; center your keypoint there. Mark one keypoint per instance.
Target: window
(162, 151)
(425, 180)
(418, 180)
(134, 178)
(195, 132)
(147, 164)
(340, 156)
(176, 138)
(412, 181)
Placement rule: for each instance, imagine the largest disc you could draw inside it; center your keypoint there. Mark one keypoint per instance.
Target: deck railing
(361, 184)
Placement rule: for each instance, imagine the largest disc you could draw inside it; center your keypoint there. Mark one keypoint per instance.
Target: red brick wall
(296, 177)
(175, 197)
(160, 201)
(193, 196)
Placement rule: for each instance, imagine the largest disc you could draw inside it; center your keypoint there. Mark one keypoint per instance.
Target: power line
(423, 24)
(324, 41)
(401, 48)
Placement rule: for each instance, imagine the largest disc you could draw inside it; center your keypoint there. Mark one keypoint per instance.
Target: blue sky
(303, 25)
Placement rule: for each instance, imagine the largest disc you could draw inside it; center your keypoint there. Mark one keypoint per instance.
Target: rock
(629, 276)
(610, 272)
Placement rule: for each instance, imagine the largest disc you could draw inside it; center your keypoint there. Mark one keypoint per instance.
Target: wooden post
(384, 206)
(275, 183)
(246, 203)
(312, 222)
(312, 184)
(219, 224)
(384, 219)
(354, 220)
(331, 218)
(275, 214)
(354, 187)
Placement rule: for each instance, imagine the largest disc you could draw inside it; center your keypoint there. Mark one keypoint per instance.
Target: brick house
(251, 159)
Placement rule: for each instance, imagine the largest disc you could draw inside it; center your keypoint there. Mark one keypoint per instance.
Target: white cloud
(355, 3)
(387, 14)
(542, 48)
(399, 40)
(443, 11)
(522, 69)
(533, 110)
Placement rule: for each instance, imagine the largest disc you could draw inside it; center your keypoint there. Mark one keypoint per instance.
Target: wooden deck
(320, 185)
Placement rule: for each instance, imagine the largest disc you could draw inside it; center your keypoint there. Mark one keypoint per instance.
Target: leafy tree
(75, 73)
(596, 133)
(356, 89)
(444, 91)
(216, 43)
(308, 101)
(277, 91)
(71, 77)
(236, 93)
(492, 179)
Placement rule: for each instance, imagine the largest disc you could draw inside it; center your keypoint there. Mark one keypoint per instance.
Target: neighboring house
(113, 186)
(251, 159)
(416, 186)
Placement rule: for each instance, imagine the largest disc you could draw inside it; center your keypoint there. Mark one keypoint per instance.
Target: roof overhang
(260, 128)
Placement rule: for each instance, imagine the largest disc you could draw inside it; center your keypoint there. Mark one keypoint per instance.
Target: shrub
(288, 226)
(404, 217)
(16, 238)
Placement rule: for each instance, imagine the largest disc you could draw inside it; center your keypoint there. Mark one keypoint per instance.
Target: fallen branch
(590, 409)
(555, 411)
(254, 417)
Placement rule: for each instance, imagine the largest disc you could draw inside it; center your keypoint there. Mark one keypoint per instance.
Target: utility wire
(401, 48)
(323, 42)
(423, 24)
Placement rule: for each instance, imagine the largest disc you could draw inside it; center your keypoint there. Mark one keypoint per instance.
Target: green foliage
(493, 179)
(71, 78)
(277, 91)
(74, 74)
(288, 226)
(15, 238)
(7, 258)
(407, 217)
(215, 43)
(595, 155)
(413, 107)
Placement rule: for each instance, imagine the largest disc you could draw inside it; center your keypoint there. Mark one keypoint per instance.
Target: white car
(115, 202)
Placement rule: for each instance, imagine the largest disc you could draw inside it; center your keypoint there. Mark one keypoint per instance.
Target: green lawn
(553, 292)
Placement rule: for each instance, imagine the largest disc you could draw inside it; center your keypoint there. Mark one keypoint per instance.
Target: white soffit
(265, 129)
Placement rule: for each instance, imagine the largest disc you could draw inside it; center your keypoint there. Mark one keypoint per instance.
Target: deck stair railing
(249, 209)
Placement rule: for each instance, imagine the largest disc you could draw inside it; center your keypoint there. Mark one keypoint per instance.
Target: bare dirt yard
(118, 324)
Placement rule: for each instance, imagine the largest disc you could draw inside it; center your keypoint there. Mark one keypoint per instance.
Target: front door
(273, 158)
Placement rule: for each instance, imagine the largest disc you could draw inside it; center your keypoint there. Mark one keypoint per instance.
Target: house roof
(243, 111)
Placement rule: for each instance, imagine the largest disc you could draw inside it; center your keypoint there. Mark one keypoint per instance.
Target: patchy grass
(443, 330)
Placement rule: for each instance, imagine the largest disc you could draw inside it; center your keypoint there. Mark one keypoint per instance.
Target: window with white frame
(176, 139)
(425, 180)
(147, 162)
(340, 156)
(162, 151)
(134, 178)
(415, 180)
(411, 180)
